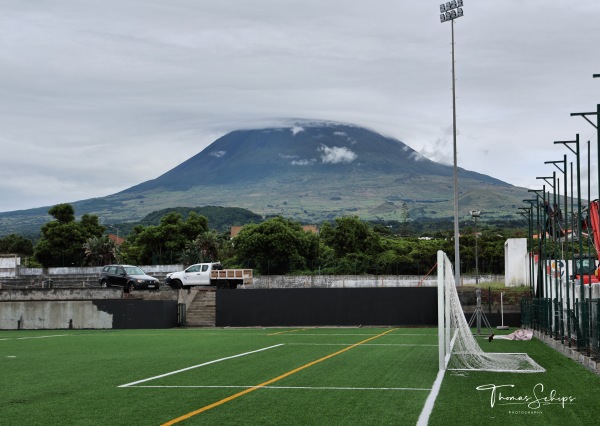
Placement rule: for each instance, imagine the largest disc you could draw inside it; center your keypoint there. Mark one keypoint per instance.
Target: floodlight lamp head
(451, 10)
(475, 213)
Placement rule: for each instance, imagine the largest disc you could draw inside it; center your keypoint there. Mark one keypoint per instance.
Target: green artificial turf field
(257, 376)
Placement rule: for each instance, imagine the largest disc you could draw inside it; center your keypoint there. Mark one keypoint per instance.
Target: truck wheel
(176, 284)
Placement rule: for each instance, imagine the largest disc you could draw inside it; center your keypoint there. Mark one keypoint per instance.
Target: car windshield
(134, 270)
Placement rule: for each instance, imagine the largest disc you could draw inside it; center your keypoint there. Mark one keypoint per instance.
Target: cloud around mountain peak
(336, 154)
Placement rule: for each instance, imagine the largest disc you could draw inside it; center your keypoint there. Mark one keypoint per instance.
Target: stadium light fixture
(537, 192)
(450, 11)
(556, 163)
(546, 179)
(531, 200)
(595, 126)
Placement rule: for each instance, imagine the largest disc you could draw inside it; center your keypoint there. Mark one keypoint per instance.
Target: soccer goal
(458, 349)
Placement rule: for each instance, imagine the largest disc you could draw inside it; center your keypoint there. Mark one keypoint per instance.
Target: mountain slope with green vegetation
(307, 172)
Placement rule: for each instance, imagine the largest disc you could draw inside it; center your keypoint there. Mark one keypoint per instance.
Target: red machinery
(584, 265)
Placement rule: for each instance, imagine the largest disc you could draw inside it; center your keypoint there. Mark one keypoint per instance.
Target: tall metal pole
(475, 214)
(456, 230)
(583, 317)
(476, 256)
(567, 245)
(449, 12)
(589, 197)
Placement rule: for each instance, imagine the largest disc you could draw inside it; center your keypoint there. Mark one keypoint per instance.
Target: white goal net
(458, 348)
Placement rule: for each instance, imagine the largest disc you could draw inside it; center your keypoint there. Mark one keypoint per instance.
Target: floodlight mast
(449, 11)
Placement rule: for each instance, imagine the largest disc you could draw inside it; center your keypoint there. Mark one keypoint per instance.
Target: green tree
(208, 246)
(166, 242)
(63, 213)
(16, 244)
(91, 225)
(205, 248)
(350, 235)
(355, 246)
(62, 239)
(100, 251)
(276, 246)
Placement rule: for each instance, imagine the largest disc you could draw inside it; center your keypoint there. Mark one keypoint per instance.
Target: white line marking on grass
(286, 331)
(34, 337)
(199, 365)
(288, 387)
(42, 337)
(269, 382)
(430, 402)
(350, 344)
(350, 334)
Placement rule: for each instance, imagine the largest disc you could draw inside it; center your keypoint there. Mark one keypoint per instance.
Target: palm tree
(100, 251)
(208, 245)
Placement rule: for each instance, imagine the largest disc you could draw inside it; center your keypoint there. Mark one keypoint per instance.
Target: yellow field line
(286, 331)
(268, 382)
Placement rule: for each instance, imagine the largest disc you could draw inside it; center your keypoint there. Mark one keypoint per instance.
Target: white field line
(350, 334)
(366, 344)
(288, 387)
(42, 337)
(34, 337)
(199, 365)
(430, 402)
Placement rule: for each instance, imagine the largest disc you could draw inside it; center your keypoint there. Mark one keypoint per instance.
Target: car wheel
(103, 284)
(130, 287)
(176, 284)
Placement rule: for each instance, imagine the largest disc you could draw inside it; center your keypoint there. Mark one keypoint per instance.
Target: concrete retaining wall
(53, 315)
(359, 281)
(88, 314)
(60, 294)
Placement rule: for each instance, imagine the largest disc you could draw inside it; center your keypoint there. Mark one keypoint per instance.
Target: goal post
(441, 310)
(458, 349)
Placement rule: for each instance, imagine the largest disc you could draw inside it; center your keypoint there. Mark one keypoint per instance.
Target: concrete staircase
(201, 312)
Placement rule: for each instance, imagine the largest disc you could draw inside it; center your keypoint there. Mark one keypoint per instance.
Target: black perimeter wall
(407, 306)
(129, 314)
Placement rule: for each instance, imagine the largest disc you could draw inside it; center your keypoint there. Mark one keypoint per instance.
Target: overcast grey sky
(97, 96)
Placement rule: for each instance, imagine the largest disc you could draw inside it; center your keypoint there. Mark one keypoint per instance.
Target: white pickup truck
(209, 274)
